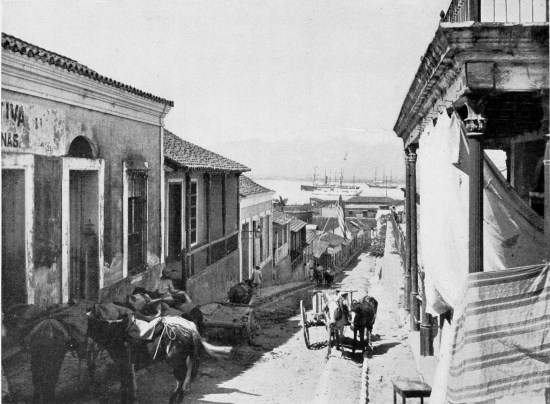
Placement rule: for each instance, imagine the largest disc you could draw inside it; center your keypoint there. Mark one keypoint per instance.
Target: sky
(239, 71)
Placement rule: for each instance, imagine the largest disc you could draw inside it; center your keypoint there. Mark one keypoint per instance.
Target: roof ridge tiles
(16, 45)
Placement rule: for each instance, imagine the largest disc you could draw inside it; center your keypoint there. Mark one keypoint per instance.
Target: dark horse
(363, 315)
(48, 334)
(171, 338)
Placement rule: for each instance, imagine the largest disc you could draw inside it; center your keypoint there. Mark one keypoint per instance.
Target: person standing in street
(257, 281)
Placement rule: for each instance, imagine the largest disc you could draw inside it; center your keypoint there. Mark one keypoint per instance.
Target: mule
(335, 319)
(48, 335)
(362, 317)
(173, 339)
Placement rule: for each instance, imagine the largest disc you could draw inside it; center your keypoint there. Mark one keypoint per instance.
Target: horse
(363, 315)
(48, 335)
(170, 338)
(335, 316)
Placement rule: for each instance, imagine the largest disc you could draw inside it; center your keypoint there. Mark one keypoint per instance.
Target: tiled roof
(281, 218)
(319, 247)
(383, 200)
(247, 187)
(334, 240)
(195, 158)
(297, 224)
(16, 45)
(330, 223)
(310, 235)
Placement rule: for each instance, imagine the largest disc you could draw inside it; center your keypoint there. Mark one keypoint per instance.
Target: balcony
(202, 257)
(497, 11)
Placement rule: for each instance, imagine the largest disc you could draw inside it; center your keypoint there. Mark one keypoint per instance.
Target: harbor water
(290, 189)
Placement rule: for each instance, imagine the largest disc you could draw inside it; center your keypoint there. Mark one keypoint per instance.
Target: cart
(316, 317)
(238, 318)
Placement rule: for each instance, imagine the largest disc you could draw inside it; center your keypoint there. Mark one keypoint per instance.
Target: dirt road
(277, 368)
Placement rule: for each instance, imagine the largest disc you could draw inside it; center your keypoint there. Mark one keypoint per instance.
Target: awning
(297, 224)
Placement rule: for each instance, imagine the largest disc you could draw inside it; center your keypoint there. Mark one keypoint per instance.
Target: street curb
(364, 394)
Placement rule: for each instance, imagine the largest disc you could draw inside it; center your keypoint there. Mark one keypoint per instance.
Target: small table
(409, 388)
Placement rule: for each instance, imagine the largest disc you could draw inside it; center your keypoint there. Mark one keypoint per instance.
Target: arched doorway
(83, 175)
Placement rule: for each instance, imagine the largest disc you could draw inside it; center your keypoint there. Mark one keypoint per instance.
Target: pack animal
(362, 318)
(173, 339)
(335, 319)
(47, 339)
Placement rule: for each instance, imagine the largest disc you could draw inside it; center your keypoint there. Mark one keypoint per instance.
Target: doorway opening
(14, 288)
(175, 190)
(83, 227)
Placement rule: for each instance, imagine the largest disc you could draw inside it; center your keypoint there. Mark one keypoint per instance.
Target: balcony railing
(399, 238)
(280, 253)
(202, 257)
(510, 11)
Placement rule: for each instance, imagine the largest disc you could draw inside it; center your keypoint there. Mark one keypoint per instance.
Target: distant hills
(297, 159)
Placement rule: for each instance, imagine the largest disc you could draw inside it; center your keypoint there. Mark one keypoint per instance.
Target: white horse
(335, 315)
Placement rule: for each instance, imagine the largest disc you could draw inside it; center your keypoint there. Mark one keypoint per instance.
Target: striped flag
(342, 218)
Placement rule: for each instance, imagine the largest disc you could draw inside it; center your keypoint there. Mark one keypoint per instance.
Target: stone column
(475, 128)
(407, 263)
(414, 305)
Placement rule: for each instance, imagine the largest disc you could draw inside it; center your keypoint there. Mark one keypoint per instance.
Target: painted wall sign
(33, 128)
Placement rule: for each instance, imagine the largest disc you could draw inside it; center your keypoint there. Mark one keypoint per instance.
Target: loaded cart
(238, 318)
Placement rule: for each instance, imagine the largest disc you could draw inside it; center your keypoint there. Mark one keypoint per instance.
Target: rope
(171, 331)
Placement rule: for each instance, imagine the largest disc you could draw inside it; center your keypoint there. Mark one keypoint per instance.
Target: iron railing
(508, 11)
(399, 237)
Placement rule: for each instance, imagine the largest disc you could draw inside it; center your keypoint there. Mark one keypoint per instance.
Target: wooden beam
(506, 76)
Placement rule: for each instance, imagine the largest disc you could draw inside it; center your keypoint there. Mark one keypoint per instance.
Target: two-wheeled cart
(317, 316)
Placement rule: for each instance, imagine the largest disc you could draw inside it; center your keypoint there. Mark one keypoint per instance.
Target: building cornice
(454, 45)
(252, 200)
(35, 78)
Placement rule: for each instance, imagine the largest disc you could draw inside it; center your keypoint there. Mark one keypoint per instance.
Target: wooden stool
(408, 388)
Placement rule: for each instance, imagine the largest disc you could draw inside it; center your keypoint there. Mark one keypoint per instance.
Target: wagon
(317, 317)
(236, 318)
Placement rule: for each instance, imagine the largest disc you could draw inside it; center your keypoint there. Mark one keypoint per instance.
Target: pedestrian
(168, 292)
(319, 274)
(257, 281)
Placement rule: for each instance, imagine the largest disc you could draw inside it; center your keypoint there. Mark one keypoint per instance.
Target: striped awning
(297, 225)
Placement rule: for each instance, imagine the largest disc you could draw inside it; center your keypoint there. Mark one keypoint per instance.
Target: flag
(342, 218)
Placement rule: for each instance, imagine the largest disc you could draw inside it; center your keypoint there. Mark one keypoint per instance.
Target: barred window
(193, 211)
(137, 221)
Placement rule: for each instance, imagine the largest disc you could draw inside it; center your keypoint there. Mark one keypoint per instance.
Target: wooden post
(184, 256)
(426, 337)
(414, 306)
(475, 10)
(547, 195)
(407, 263)
(475, 128)
(208, 208)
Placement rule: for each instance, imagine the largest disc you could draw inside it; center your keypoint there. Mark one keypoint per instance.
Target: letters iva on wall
(33, 128)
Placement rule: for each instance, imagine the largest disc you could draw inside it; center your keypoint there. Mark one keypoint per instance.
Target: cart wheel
(305, 326)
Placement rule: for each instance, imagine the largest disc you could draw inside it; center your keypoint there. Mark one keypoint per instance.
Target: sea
(290, 189)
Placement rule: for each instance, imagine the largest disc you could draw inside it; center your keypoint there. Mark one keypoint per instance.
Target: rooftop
(20, 47)
(247, 187)
(384, 200)
(190, 156)
(297, 224)
(282, 218)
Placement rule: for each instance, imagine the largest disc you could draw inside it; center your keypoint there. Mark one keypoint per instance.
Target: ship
(383, 183)
(340, 189)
